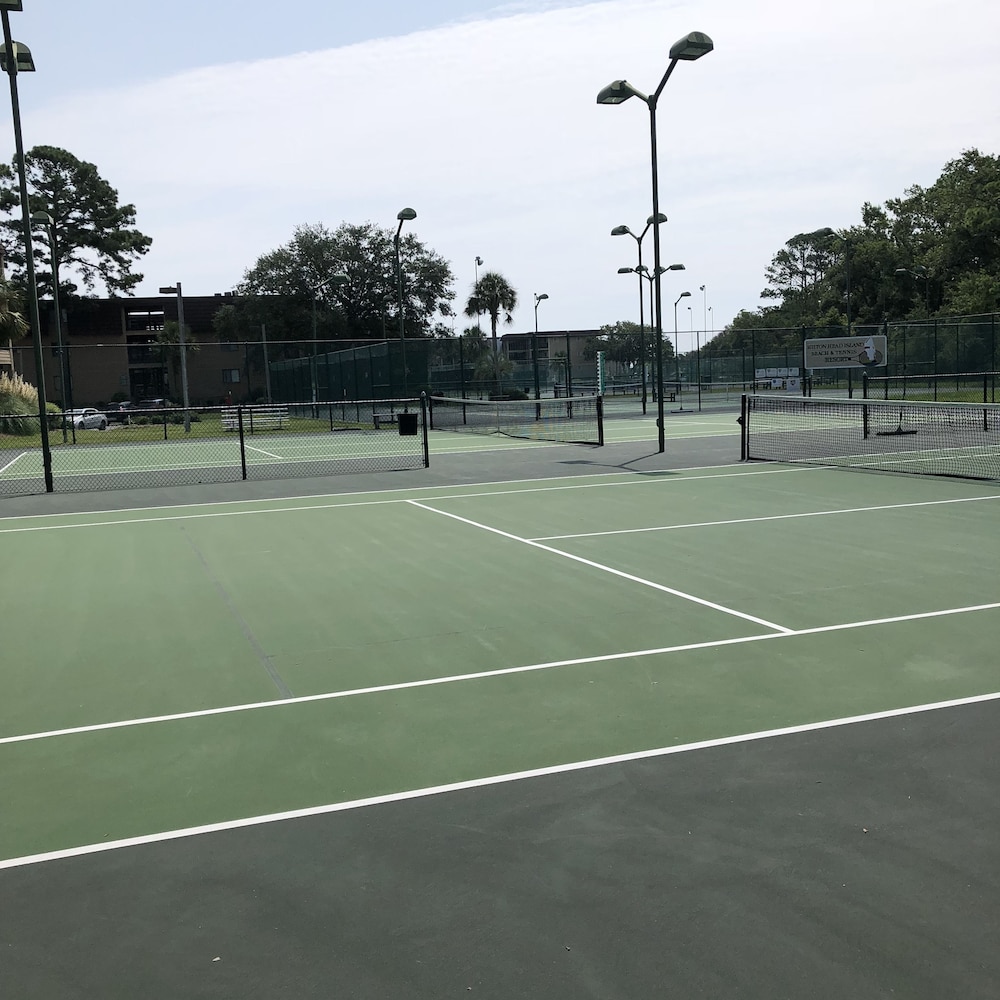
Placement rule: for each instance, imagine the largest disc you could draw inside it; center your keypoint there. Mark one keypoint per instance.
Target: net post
(243, 444)
(423, 424)
(865, 429)
(600, 421)
(744, 422)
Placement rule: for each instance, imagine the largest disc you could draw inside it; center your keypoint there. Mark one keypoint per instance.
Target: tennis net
(572, 420)
(924, 438)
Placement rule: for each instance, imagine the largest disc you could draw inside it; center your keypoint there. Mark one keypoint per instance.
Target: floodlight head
(406, 215)
(168, 290)
(684, 295)
(539, 297)
(675, 267)
(692, 46)
(627, 270)
(621, 231)
(656, 219)
(10, 5)
(23, 63)
(618, 92)
(43, 217)
(479, 261)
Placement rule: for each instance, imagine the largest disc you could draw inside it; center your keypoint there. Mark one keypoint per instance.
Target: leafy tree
(623, 343)
(934, 251)
(94, 235)
(289, 289)
(492, 294)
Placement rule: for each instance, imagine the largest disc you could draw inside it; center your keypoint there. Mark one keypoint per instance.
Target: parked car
(154, 404)
(119, 412)
(87, 418)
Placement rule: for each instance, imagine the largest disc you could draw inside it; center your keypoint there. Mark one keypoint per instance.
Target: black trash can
(407, 424)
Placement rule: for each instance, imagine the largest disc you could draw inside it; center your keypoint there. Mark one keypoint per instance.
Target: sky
(228, 123)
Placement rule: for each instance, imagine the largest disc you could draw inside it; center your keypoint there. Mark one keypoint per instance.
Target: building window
(230, 374)
(143, 320)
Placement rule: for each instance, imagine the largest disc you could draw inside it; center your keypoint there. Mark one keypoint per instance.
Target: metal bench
(255, 417)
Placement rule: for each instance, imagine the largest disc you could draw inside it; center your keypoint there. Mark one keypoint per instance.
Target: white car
(87, 419)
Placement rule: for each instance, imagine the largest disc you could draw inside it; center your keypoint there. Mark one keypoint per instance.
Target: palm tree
(492, 294)
(13, 325)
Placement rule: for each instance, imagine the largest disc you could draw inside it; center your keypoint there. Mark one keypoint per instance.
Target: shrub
(18, 403)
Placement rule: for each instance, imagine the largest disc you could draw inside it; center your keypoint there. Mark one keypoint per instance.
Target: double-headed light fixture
(639, 269)
(687, 49)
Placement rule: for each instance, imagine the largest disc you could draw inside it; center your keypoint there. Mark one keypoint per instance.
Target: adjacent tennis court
(537, 721)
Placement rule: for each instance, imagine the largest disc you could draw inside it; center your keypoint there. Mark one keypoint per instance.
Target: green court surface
(724, 704)
(334, 648)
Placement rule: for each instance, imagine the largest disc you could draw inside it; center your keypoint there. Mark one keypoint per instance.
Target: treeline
(933, 252)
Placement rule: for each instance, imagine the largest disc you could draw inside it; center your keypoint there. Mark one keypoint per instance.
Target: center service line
(608, 569)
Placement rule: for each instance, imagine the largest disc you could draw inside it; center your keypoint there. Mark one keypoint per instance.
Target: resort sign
(845, 352)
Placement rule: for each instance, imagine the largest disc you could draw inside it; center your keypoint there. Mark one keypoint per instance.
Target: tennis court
(533, 721)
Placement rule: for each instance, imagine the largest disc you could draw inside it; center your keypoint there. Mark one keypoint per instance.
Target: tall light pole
(403, 215)
(677, 353)
(182, 340)
(475, 287)
(43, 218)
(642, 326)
(534, 344)
(335, 279)
(653, 279)
(22, 62)
(690, 47)
(704, 309)
(625, 231)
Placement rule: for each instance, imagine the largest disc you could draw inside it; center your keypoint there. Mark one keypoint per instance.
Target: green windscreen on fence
(574, 420)
(924, 438)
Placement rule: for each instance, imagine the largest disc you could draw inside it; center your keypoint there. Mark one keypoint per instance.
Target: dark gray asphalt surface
(857, 862)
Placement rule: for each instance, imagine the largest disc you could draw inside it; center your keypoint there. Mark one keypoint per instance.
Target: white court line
(485, 675)
(269, 454)
(605, 569)
(497, 779)
(645, 480)
(769, 517)
(16, 458)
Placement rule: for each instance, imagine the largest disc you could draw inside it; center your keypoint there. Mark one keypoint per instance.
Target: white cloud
(491, 131)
